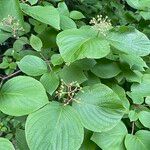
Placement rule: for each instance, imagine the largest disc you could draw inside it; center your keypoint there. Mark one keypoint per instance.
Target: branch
(9, 76)
(47, 61)
(133, 126)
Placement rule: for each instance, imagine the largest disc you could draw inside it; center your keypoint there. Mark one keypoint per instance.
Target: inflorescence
(66, 92)
(12, 23)
(103, 25)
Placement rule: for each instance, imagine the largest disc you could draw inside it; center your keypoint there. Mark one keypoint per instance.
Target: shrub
(74, 75)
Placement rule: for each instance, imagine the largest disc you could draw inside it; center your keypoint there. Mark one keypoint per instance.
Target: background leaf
(131, 42)
(76, 15)
(106, 69)
(46, 14)
(32, 65)
(112, 139)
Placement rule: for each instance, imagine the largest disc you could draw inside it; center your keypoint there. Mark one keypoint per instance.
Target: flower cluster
(12, 23)
(103, 25)
(66, 92)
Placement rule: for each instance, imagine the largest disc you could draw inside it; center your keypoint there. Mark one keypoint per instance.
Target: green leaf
(106, 69)
(133, 76)
(72, 73)
(19, 44)
(32, 2)
(99, 107)
(133, 116)
(145, 15)
(144, 117)
(48, 37)
(87, 143)
(139, 4)
(21, 140)
(147, 100)
(32, 65)
(112, 139)
(36, 42)
(136, 97)
(4, 36)
(122, 95)
(134, 61)
(56, 59)
(22, 95)
(75, 44)
(139, 141)
(59, 128)
(6, 144)
(142, 89)
(134, 3)
(76, 15)
(45, 14)
(63, 9)
(84, 64)
(66, 23)
(131, 42)
(50, 81)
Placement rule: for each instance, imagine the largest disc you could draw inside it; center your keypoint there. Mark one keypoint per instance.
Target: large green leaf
(99, 107)
(6, 144)
(76, 44)
(139, 141)
(112, 139)
(32, 65)
(130, 41)
(22, 95)
(144, 117)
(54, 127)
(46, 14)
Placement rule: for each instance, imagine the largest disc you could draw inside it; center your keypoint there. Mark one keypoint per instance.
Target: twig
(9, 76)
(48, 63)
(133, 126)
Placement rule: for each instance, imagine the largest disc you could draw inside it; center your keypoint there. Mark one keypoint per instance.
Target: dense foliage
(75, 75)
